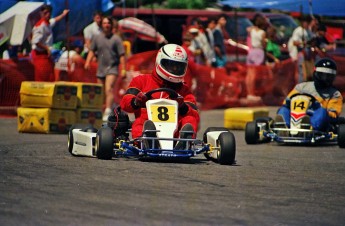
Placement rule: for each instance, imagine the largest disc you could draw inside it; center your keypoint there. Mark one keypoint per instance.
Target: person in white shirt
(42, 42)
(297, 45)
(92, 30)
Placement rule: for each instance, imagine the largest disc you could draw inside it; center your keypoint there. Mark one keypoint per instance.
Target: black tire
(211, 129)
(266, 120)
(227, 148)
(251, 133)
(104, 143)
(341, 136)
(269, 122)
(70, 136)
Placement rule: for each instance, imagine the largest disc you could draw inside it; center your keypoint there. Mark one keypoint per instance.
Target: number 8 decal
(163, 113)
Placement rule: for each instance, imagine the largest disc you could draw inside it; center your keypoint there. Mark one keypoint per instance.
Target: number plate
(300, 105)
(164, 113)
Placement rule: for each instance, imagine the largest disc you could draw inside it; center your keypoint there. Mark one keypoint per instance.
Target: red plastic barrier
(12, 73)
(213, 87)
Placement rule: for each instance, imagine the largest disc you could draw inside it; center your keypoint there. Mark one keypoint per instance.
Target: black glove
(140, 100)
(182, 106)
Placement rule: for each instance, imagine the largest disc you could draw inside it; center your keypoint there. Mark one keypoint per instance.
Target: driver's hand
(180, 101)
(140, 100)
(315, 105)
(182, 106)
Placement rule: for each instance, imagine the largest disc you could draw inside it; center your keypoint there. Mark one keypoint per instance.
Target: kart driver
(328, 105)
(170, 69)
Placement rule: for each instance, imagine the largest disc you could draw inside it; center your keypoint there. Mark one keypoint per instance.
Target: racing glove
(314, 106)
(182, 106)
(140, 100)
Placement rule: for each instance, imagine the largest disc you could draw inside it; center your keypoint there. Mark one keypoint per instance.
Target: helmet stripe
(325, 70)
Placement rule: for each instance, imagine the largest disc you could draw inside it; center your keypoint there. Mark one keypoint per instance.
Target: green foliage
(137, 3)
(190, 4)
(171, 4)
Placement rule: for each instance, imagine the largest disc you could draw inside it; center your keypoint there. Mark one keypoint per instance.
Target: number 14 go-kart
(157, 140)
(300, 132)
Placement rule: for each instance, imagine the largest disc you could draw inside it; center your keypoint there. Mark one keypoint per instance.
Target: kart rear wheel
(227, 148)
(341, 135)
(70, 141)
(251, 133)
(211, 129)
(104, 143)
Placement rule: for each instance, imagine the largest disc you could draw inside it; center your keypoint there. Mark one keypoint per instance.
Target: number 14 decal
(299, 105)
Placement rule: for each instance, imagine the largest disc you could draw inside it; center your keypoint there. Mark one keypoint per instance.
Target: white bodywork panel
(163, 113)
(212, 138)
(82, 143)
(298, 108)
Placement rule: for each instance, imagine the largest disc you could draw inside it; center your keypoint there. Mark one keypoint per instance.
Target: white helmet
(171, 63)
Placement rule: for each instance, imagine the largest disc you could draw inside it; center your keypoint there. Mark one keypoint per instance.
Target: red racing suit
(147, 82)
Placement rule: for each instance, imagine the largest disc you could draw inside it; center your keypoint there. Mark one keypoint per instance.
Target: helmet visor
(174, 67)
(325, 78)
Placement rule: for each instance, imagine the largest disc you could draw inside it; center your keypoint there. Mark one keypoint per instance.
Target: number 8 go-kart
(157, 140)
(300, 132)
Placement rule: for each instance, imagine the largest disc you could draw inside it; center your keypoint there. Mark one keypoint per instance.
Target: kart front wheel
(341, 135)
(251, 133)
(227, 148)
(104, 143)
(211, 129)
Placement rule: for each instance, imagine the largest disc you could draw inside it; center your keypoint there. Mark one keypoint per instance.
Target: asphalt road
(42, 184)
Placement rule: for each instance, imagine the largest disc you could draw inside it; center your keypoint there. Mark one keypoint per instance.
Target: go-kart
(113, 138)
(266, 129)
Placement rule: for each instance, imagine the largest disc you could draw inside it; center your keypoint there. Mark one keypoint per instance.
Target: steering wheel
(172, 93)
(312, 98)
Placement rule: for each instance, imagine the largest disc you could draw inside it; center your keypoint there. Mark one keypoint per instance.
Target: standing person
(195, 46)
(219, 35)
(273, 52)
(297, 45)
(211, 25)
(92, 30)
(170, 69)
(256, 54)
(110, 53)
(207, 49)
(321, 43)
(42, 42)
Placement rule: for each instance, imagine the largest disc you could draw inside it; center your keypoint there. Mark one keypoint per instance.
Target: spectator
(196, 46)
(42, 41)
(110, 55)
(256, 54)
(297, 46)
(273, 52)
(219, 35)
(186, 43)
(92, 30)
(211, 25)
(322, 44)
(207, 49)
(68, 59)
